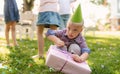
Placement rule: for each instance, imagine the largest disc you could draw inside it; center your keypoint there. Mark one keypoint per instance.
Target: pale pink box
(61, 61)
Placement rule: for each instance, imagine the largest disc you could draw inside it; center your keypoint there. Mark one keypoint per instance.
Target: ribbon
(67, 54)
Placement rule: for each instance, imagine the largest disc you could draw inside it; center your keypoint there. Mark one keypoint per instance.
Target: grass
(104, 57)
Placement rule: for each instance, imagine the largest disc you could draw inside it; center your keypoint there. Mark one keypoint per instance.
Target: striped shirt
(80, 40)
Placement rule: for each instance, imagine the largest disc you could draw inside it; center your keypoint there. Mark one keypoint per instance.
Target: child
(65, 11)
(48, 17)
(11, 15)
(71, 37)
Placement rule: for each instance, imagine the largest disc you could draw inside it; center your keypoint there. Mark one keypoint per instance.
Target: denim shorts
(64, 20)
(48, 18)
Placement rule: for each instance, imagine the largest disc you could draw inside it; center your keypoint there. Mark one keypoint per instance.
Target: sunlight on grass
(4, 52)
(117, 72)
(103, 59)
(39, 61)
(104, 54)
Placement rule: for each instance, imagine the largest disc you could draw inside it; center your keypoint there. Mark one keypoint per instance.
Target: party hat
(77, 16)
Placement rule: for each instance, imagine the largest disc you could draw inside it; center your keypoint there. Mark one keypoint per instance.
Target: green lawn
(104, 57)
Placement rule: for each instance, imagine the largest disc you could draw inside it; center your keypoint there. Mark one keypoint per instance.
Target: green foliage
(28, 5)
(104, 57)
(97, 2)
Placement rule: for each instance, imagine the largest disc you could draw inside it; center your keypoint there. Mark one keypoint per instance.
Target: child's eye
(75, 30)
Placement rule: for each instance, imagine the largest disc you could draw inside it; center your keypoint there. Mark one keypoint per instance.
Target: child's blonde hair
(78, 24)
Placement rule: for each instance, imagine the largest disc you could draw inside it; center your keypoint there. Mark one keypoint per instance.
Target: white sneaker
(35, 56)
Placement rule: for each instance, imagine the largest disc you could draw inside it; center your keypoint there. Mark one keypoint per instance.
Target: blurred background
(100, 15)
(102, 33)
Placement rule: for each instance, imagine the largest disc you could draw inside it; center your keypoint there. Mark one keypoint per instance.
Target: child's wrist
(82, 59)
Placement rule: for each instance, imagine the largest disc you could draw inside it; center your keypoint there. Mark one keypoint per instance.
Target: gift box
(61, 61)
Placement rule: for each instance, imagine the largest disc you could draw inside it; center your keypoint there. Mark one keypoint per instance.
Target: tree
(28, 5)
(99, 2)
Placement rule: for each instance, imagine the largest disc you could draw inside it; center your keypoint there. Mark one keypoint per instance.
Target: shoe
(39, 57)
(35, 56)
(42, 57)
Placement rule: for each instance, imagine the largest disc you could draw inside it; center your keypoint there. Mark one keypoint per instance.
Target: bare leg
(7, 29)
(53, 27)
(40, 40)
(13, 33)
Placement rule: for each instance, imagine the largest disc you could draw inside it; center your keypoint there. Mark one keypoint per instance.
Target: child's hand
(77, 58)
(59, 43)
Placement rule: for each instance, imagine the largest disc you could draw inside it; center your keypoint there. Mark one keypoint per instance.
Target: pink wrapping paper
(61, 61)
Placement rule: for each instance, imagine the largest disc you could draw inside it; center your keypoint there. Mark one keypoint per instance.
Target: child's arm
(81, 58)
(56, 40)
(51, 35)
(85, 52)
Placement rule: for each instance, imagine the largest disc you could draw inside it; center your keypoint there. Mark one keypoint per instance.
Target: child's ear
(81, 29)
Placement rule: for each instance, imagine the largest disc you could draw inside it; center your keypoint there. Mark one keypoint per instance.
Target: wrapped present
(61, 60)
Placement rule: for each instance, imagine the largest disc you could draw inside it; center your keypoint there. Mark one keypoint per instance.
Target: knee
(13, 28)
(7, 28)
(40, 29)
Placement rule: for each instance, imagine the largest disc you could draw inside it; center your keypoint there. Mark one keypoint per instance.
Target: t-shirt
(65, 6)
(49, 5)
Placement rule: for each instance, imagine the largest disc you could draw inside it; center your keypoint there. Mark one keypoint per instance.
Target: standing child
(71, 37)
(48, 17)
(65, 11)
(11, 14)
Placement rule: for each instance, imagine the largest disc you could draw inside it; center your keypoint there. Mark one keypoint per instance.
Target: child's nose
(70, 32)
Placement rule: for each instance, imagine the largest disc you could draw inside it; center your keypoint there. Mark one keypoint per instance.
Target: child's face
(73, 30)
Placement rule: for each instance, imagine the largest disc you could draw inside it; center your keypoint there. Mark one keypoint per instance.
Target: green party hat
(77, 15)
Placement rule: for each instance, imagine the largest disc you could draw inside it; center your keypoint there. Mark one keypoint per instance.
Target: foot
(38, 56)
(35, 56)
(8, 45)
(41, 57)
(15, 45)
